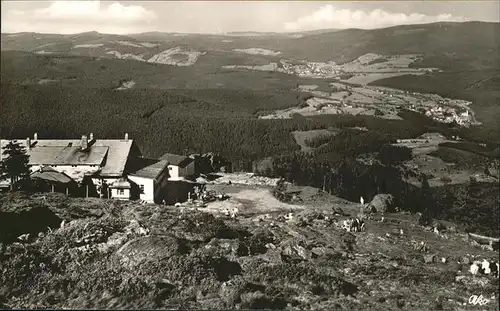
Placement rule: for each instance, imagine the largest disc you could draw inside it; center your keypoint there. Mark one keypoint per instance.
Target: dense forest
(225, 122)
(172, 121)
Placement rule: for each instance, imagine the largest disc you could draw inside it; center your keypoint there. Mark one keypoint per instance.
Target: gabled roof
(117, 153)
(42, 155)
(151, 171)
(50, 174)
(121, 183)
(177, 160)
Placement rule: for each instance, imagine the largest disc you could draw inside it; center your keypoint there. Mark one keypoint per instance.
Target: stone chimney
(84, 142)
(35, 137)
(28, 143)
(126, 136)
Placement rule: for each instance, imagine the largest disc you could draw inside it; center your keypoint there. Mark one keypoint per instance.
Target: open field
(258, 51)
(302, 136)
(444, 165)
(366, 66)
(176, 56)
(382, 102)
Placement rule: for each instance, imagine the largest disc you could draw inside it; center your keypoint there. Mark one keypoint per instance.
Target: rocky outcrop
(381, 203)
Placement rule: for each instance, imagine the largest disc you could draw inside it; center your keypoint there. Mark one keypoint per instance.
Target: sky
(122, 17)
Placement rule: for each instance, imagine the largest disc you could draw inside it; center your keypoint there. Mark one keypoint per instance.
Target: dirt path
(252, 201)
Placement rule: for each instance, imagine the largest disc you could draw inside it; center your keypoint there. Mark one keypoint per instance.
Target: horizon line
(251, 31)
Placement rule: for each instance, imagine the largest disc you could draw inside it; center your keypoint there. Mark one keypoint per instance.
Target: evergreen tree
(14, 165)
(426, 199)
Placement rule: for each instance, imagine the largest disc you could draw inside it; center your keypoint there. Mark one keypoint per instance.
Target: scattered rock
(367, 209)
(382, 203)
(323, 251)
(197, 261)
(230, 291)
(465, 260)
(472, 280)
(438, 225)
(223, 246)
(270, 246)
(429, 258)
(296, 251)
(134, 228)
(150, 248)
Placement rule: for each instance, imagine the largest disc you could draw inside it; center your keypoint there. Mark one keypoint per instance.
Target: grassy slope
(374, 270)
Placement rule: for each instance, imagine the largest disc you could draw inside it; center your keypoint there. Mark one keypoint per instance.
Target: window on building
(142, 188)
(169, 168)
(121, 192)
(73, 165)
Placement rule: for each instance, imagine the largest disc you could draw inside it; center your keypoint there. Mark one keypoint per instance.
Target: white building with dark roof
(152, 181)
(121, 189)
(179, 167)
(106, 168)
(95, 163)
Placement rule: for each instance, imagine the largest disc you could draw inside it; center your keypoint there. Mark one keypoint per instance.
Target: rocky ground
(110, 254)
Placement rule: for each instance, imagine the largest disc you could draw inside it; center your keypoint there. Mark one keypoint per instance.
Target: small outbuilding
(120, 189)
(49, 179)
(151, 181)
(179, 167)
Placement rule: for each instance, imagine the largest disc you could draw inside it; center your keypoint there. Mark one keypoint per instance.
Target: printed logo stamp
(476, 300)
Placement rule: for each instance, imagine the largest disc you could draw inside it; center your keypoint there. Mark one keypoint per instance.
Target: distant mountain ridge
(244, 33)
(466, 45)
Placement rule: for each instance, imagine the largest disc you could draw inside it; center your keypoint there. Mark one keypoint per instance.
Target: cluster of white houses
(106, 168)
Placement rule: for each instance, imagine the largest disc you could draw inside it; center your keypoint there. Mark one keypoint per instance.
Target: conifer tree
(427, 209)
(14, 165)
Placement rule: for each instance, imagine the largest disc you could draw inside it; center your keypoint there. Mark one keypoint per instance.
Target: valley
(407, 113)
(268, 95)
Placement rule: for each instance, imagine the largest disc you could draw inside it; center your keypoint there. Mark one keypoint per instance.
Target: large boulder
(295, 250)
(150, 248)
(493, 168)
(382, 203)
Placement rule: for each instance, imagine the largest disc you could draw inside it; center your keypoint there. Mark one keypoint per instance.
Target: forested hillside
(172, 120)
(204, 108)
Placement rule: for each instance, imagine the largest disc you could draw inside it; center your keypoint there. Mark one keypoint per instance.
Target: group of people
(198, 192)
(353, 225)
(484, 267)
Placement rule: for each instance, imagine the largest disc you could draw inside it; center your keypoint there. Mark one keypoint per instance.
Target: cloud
(79, 16)
(329, 17)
